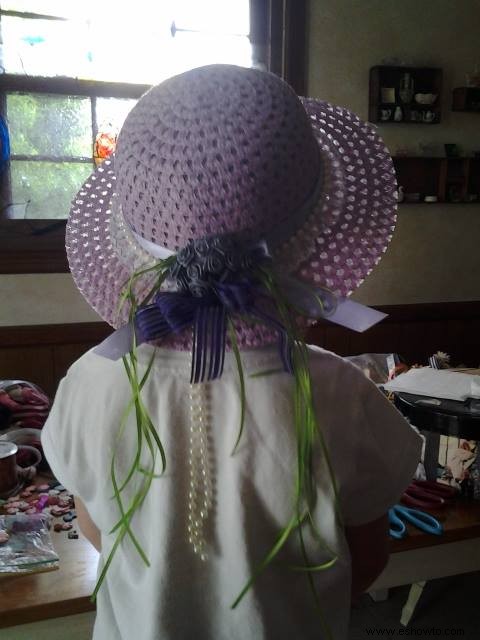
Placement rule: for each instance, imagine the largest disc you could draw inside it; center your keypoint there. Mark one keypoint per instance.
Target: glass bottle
(406, 89)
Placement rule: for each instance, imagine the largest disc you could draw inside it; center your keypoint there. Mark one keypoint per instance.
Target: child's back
(230, 208)
(182, 595)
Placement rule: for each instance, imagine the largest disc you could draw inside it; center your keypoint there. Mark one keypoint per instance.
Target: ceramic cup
(30, 437)
(385, 114)
(428, 116)
(10, 472)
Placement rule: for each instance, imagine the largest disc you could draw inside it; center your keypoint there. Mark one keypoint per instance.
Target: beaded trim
(200, 484)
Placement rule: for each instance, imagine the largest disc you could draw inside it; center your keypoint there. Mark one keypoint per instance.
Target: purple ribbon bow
(172, 312)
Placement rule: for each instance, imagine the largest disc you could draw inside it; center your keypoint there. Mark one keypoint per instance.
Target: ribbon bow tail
(285, 346)
(209, 342)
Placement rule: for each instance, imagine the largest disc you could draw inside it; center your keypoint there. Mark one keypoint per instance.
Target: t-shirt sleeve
(60, 441)
(385, 458)
(374, 450)
(75, 438)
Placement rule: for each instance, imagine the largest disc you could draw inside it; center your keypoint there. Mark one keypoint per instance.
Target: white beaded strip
(200, 486)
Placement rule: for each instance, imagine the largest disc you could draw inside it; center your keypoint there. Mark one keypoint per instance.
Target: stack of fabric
(22, 404)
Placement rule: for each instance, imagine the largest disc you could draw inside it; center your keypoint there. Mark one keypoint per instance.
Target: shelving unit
(383, 105)
(454, 180)
(466, 99)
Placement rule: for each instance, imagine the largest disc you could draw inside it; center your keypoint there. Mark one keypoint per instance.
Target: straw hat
(226, 150)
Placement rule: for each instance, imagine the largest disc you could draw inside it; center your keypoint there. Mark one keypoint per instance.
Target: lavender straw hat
(224, 149)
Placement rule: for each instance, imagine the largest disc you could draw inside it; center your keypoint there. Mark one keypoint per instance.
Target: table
(420, 557)
(62, 592)
(67, 591)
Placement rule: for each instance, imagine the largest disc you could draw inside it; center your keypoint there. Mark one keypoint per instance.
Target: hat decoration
(230, 209)
(216, 278)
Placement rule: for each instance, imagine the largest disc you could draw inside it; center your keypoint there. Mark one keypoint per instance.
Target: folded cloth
(436, 383)
(27, 404)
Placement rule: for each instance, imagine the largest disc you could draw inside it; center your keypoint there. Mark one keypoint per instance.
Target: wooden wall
(42, 354)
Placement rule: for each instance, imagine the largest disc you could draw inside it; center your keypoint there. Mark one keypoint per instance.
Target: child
(235, 481)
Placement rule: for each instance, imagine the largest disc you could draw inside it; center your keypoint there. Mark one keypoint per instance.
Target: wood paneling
(413, 331)
(25, 363)
(43, 354)
(54, 334)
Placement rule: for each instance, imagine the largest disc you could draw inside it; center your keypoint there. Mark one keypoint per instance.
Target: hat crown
(218, 149)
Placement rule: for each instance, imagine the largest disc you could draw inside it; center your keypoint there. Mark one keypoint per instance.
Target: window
(71, 73)
(58, 129)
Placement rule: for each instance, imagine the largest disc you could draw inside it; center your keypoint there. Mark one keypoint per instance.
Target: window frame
(38, 246)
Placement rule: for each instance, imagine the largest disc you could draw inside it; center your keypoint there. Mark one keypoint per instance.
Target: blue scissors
(399, 515)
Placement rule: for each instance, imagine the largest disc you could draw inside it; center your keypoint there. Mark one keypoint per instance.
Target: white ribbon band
(156, 250)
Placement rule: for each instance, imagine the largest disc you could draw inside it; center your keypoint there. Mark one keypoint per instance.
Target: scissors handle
(420, 519)
(397, 529)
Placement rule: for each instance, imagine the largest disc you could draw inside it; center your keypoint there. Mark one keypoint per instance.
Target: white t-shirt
(373, 450)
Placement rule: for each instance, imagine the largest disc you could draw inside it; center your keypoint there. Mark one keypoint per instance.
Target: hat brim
(343, 239)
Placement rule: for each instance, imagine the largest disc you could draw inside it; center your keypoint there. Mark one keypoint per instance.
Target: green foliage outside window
(57, 127)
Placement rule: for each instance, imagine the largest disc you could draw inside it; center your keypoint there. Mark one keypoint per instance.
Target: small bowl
(412, 197)
(425, 98)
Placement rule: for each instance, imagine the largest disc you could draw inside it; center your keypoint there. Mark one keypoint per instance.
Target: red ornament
(105, 143)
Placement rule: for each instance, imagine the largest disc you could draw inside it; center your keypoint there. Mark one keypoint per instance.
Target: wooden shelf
(450, 180)
(386, 97)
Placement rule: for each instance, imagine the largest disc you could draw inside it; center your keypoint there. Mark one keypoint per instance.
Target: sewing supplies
(426, 494)
(25, 544)
(398, 515)
(52, 502)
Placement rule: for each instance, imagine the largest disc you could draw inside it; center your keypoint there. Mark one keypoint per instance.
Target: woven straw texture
(225, 149)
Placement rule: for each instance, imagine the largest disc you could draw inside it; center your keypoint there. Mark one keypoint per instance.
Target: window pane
(41, 124)
(219, 16)
(110, 115)
(45, 47)
(109, 41)
(111, 112)
(45, 189)
(197, 49)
